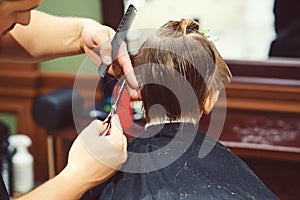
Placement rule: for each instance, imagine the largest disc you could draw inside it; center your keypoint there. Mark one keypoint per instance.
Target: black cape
(219, 175)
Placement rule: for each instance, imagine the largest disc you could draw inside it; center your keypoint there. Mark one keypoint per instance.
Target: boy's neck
(165, 120)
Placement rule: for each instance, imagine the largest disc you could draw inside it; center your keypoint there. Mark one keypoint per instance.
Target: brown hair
(178, 48)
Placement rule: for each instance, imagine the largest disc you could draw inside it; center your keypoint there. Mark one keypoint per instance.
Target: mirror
(241, 30)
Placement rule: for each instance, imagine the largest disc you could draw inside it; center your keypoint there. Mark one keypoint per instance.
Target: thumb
(109, 150)
(93, 129)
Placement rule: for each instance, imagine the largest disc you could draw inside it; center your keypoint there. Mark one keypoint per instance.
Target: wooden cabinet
(20, 84)
(18, 88)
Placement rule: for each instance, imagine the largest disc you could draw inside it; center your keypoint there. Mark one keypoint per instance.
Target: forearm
(46, 37)
(63, 186)
(84, 170)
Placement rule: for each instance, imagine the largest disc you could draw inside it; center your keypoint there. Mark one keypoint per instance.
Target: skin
(33, 36)
(208, 105)
(23, 32)
(15, 12)
(82, 171)
(210, 102)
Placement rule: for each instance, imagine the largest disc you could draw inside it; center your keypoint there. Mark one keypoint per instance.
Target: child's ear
(210, 101)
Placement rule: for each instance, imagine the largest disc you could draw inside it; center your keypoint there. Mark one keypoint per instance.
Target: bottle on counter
(22, 163)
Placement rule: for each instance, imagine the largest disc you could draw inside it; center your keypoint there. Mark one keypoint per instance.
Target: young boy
(180, 73)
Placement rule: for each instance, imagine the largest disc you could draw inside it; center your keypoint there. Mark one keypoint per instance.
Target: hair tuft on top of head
(182, 27)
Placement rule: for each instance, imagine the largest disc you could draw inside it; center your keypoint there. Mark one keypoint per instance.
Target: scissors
(116, 43)
(114, 108)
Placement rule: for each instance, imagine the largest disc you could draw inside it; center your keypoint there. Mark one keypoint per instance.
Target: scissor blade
(115, 105)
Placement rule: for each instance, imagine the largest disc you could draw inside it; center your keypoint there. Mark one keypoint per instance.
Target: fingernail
(134, 95)
(107, 59)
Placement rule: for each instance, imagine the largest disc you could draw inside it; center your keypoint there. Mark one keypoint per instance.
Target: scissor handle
(106, 129)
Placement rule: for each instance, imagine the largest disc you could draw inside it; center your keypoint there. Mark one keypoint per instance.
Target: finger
(95, 128)
(102, 35)
(116, 133)
(134, 94)
(117, 138)
(115, 70)
(125, 63)
(93, 55)
(116, 130)
(107, 150)
(102, 40)
(88, 39)
(105, 52)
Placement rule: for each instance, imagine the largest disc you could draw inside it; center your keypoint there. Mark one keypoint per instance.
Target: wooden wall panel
(18, 90)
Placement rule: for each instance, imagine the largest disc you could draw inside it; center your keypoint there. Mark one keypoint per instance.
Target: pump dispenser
(22, 162)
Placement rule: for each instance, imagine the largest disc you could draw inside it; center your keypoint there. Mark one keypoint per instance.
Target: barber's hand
(94, 158)
(96, 42)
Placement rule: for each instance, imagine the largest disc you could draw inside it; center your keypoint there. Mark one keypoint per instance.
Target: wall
(244, 28)
(79, 8)
(9, 120)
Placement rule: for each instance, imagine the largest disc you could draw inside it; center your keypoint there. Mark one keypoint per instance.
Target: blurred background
(241, 29)
(258, 39)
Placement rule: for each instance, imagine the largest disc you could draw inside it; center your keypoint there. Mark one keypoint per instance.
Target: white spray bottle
(22, 162)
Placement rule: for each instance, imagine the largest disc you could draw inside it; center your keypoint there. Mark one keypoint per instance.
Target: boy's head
(184, 59)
